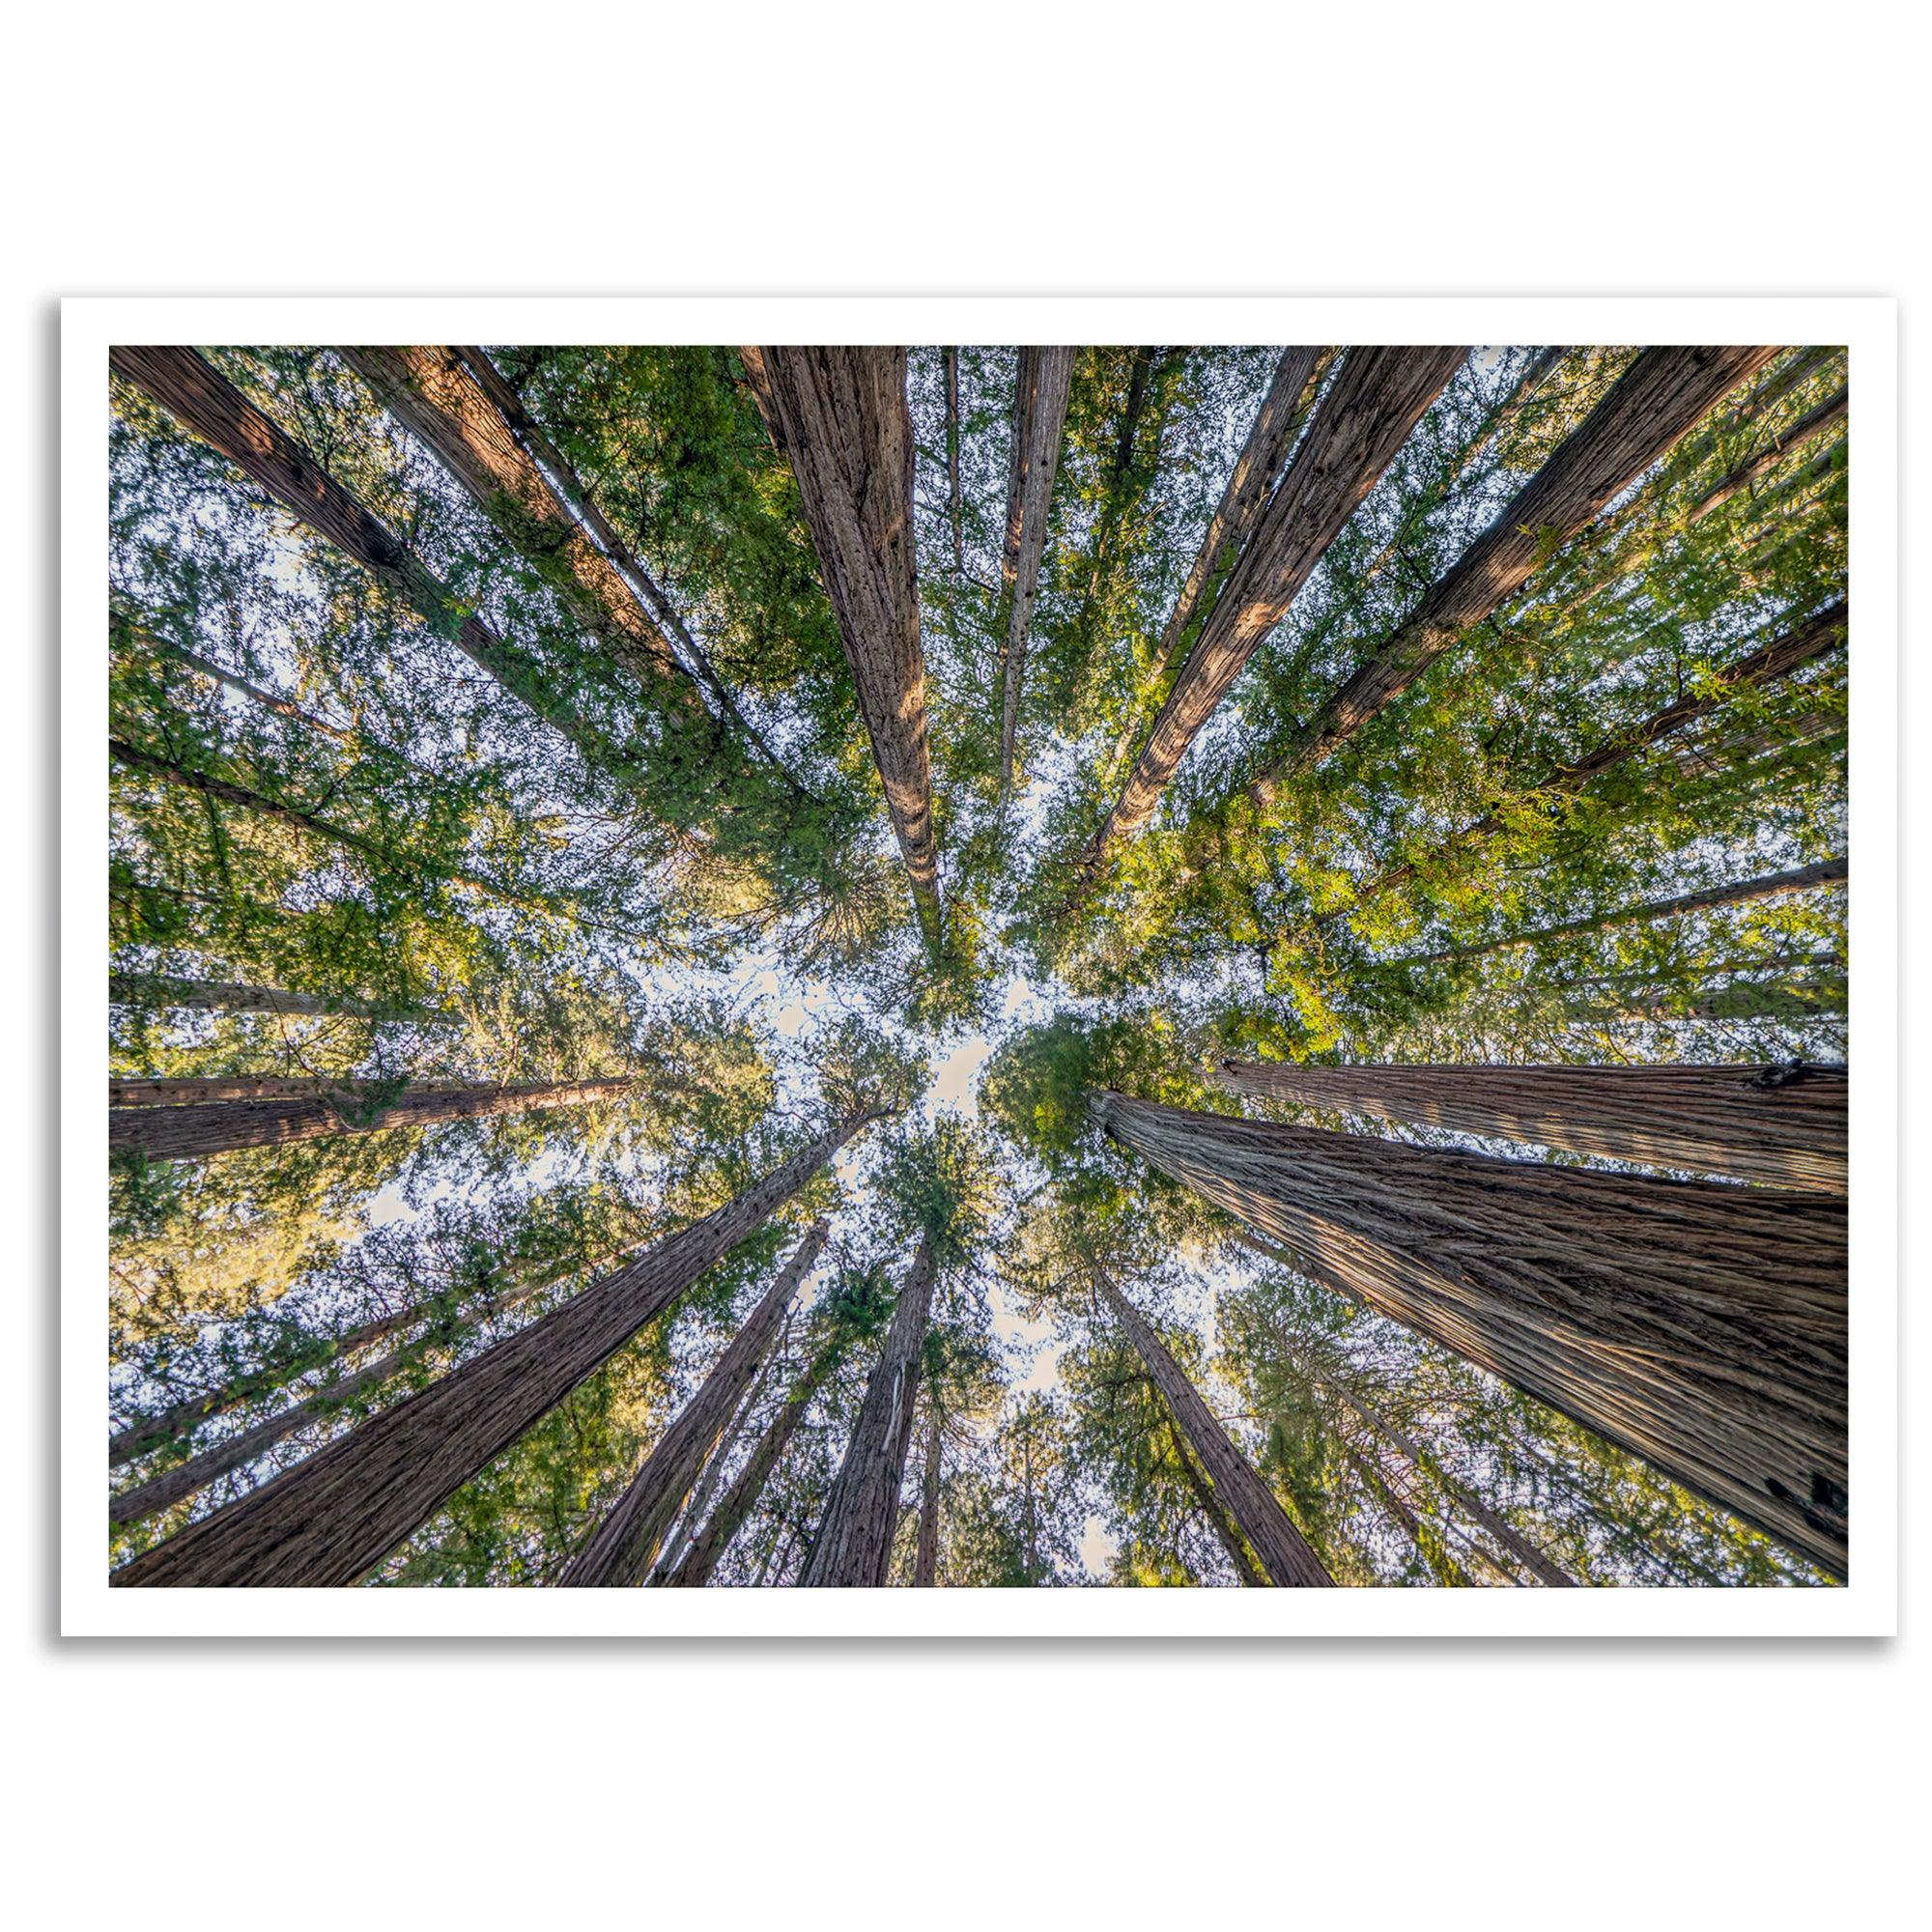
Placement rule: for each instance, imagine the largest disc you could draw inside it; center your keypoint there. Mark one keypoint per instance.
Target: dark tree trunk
(159, 990)
(1802, 879)
(623, 1546)
(1040, 420)
(1663, 394)
(955, 504)
(1282, 1549)
(331, 1518)
(194, 1132)
(840, 416)
(1783, 1126)
(271, 1087)
(1374, 402)
(209, 407)
(1699, 1326)
(854, 1545)
(926, 1569)
(1803, 431)
(709, 1542)
(1217, 1518)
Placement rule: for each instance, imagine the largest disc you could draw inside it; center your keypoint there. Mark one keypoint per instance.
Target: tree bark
(334, 1516)
(1812, 424)
(926, 1569)
(1216, 1515)
(1697, 1326)
(840, 416)
(1041, 387)
(269, 1086)
(159, 990)
(1374, 402)
(209, 407)
(622, 1549)
(955, 502)
(195, 1132)
(1781, 1126)
(1283, 1550)
(1776, 885)
(854, 1545)
(1661, 397)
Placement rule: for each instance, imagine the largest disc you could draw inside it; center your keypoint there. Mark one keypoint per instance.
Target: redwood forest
(978, 966)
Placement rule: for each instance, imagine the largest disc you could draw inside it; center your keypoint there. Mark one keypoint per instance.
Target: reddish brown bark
(925, 1566)
(1814, 423)
(621, 1550)
(854, 1545)
(194, 1132)
(1663, 394)
(269, 1087)
(1697, 1326)
(331, 1518)
(1282, 1549)
(1216, 1516)
(160, 990)
(1783, 1126)
(1366, 414)
(840, 416)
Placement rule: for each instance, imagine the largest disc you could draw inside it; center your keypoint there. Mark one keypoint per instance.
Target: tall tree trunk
(1661, 397)
(334, 1516)
(854, 1545)
(162, 989)
(1366, 415)
(1812, 424)
(1283, 1550)
(925, 1570)
(678, 1539)
(271, 1087)
(1774, 885)
(710, 1541)
(1808, 642)
(237, 1451)
(1216, 1515)
(194, 1132)
(840, 416)
(1040, 420)
(1785, 1126)
(209, 407)
(1697, 1326)
(955, 502)
(624, 1545)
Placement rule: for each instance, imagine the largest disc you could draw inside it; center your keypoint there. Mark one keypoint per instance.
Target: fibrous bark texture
(625, 1543)
(216, 1126)
(840, 416)
(159, 990)
(854, 1544)
(1041, 389)
(1812, 424)
(1366, 414)
(329, 1519)
(1282, 1549)
(1699, 1326)
(1661, 397)
(1783, 1126)
(269, 1086)
(925, 1566)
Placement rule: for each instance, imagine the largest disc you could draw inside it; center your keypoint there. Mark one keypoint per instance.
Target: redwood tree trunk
(1217, 1516)
(954, 502)
(854, 1544)
(1699, 1326)
(194, 1132)
(329, 1519)
(840, 417)
(1783, 1126)
(1658, 399)
(1039, 418)
(1282, 1549)
(925, 1571)
(209, 407)
(160, 990)
(269, 1086)
(1814, 424)
(625, 1543)
(1374, 401)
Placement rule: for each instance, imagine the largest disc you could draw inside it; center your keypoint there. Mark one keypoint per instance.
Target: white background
(1637, 149)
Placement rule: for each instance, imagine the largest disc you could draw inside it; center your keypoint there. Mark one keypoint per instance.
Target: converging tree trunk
(840, 416)
(1365, 417)
(1284, 1552)
(854, 1545)
(955, 504)
(1663, 395)
(1039, 418)
(621, 1550)
(193, 1132)
(1807, 427)
(271, 1087)
(1215, 1514)
(1697, 1326)
(207, 405)
(926, 1567)
(160, 990)
(330, 1517)
(1785, 1126)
